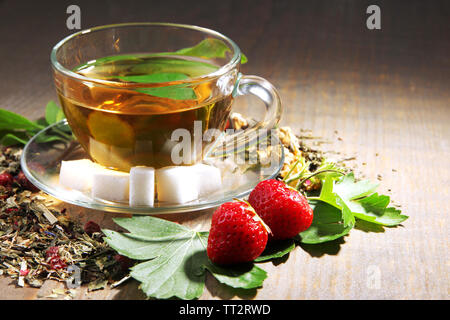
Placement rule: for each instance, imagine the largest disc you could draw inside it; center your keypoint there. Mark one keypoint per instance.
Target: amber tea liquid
(121, 128)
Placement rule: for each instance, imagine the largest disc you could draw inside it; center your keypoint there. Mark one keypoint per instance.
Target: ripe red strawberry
(285, 210)
(237, 234)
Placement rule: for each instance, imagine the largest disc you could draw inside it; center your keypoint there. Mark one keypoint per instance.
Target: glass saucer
(43, 154)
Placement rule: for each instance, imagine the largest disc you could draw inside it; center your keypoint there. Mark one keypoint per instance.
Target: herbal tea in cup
(126, 89)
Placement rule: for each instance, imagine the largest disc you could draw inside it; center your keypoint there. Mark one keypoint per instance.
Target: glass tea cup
(154, 94)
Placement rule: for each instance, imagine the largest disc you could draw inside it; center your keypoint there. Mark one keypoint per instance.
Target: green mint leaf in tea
(173, 92)
(209, 48)
(129, 122)
(125, 115)
(154, 77)
(176, 92)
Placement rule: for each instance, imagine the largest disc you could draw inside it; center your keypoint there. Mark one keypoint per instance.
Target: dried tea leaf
(97, 285)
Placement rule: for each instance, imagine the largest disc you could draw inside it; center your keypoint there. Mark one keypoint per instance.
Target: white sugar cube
(227, 166)
(176, 184)
(110, 185)
(209, 178)
(142, 186)
(77, 174)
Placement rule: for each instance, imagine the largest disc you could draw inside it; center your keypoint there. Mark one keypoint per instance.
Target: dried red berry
(22, 180)
(24, 273)
(90, 227)
(57, 263)
(52, 252)
(125, 262)
(54, 259)
(11, 210)
(6, 179)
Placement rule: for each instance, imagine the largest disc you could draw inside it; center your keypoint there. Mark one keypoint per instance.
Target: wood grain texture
(385, 92)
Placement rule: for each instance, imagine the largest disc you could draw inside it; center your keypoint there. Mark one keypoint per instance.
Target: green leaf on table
(328, 224)
(365, 204)
(347, 188)
(177, 272)
(276, 249)
(326, 192)
(13, 122)
(330, 174)
(374, 209)
(175, 258)
(360, 200)
(53, 113)
(328, 195)
(246, 276)
(11, 139)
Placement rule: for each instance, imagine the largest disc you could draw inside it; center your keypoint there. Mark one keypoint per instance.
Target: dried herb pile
(38, 242)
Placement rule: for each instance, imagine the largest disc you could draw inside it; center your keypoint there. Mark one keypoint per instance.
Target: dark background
(286, 42)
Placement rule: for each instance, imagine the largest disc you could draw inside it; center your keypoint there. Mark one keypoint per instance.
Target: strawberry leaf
(374, 209)
(365, 204)
(359, 200)
(276, 249)
(246, 276)
(174, 258)
(328, 224)
(176, 272)
(348, 189)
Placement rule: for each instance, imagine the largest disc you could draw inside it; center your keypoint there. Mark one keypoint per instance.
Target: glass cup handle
(265, 91)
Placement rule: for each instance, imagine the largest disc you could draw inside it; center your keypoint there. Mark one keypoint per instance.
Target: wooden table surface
(385, 92)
